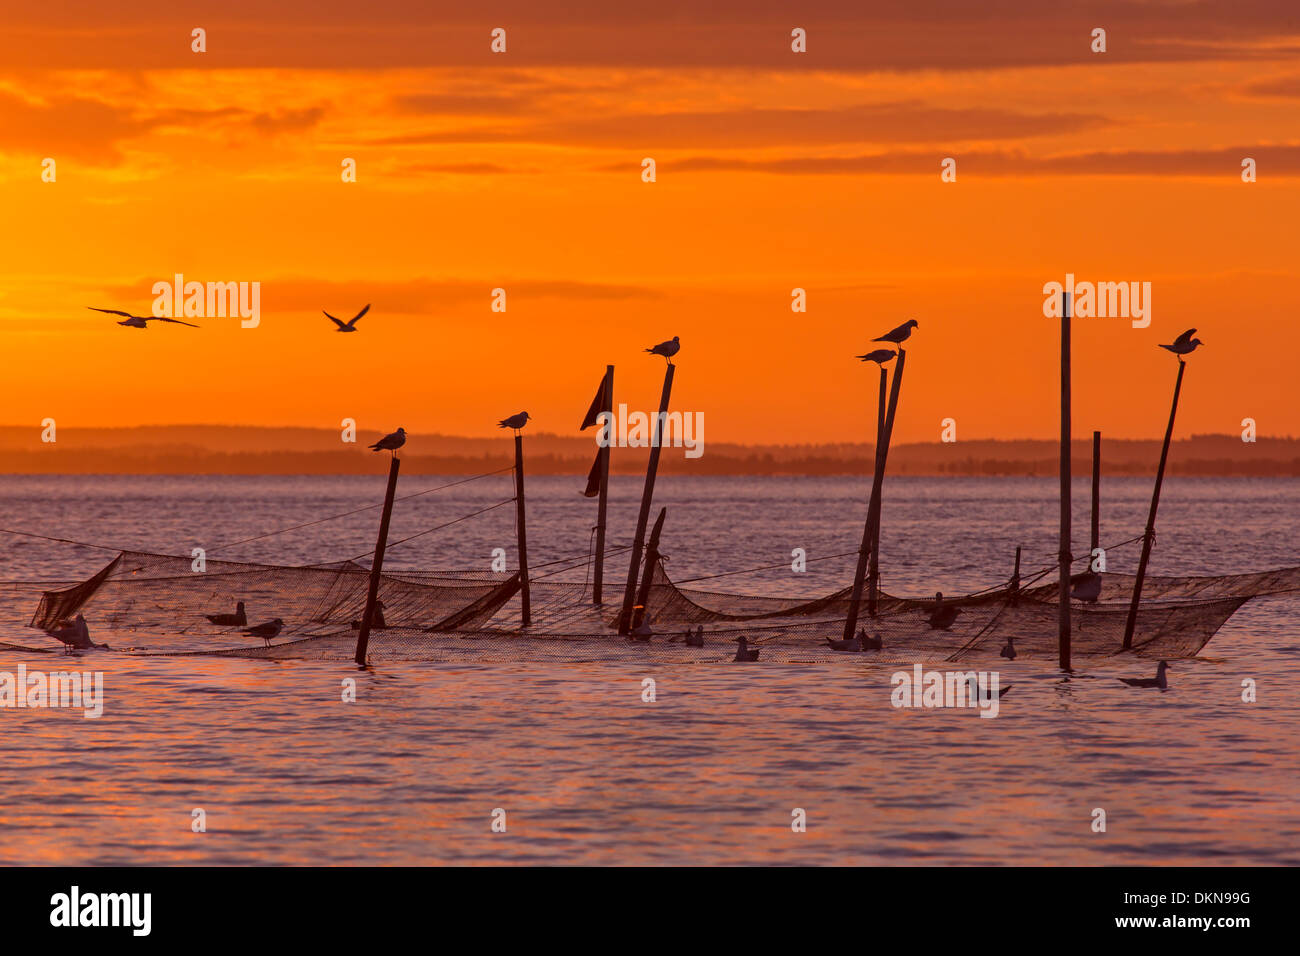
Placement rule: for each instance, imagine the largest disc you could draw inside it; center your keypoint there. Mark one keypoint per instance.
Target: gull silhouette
(391, 442)
(1184, 344)
(667, 349)
(266, 631)
(351, 324)
(514, 421)
(899, 335)
(879, 356)
(140, 321)
(238, 619)
(1158, 681)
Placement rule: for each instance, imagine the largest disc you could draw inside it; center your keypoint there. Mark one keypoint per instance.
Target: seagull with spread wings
(1184, 344)
(351, 324)
(140, 321)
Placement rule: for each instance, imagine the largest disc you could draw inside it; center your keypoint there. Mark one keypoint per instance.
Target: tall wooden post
(1063, 637)
(1096, 497)
(873, 508)
(1149, 538)
(524, 596)
(651, 559)
(377, 563)
(647, 495)
(598, 579)
(873, 573)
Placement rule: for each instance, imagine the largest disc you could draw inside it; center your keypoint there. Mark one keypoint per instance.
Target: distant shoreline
(233, 450)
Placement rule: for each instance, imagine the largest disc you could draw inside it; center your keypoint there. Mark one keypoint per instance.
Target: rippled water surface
(710, 772)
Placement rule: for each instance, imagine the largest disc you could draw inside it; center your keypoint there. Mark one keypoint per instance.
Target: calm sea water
(585, 770)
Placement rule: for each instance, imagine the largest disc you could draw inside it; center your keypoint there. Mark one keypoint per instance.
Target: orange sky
(775, 170)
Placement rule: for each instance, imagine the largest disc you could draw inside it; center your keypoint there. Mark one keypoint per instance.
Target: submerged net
(156, 604)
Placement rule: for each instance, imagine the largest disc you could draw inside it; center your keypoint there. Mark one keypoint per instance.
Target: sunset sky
(776, 170)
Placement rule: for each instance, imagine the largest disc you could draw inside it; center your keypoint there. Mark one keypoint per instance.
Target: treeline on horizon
(236, 451)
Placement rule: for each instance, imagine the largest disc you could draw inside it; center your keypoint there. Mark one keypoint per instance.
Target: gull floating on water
(351, 324)
(899, 335)
(1009, 652)
(696, 639)
(1157, 681)
(266, 631)
(141, 321)
(391, 442)
(943, 615)
(514, 421)
(879, 356)
(238, 619)
(1184, 344)
(744, 652)
(1087, 588)
(667, 349)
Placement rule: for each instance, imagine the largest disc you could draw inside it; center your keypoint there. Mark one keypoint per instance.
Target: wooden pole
(1015, 581)
(1063, 637)
(1096, 498)
(377, 563)
(651, 558)
(873, 573)
(524, 596)
(608, 406)
(1148, 539)
(873, 508)
(647, 495)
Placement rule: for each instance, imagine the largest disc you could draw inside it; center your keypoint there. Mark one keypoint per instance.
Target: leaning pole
(873, 507)
(1063, 635)
(377, 563)
(1149, 537)
(647, 496)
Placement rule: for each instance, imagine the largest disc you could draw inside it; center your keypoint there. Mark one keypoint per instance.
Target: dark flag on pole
(597, 406)
(593, 479)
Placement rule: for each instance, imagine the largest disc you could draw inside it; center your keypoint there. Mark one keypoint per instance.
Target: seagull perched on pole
(899, 335)
(879, 356)
(140, 321)
(391, 442)
(667, 349)
(1184, 344)
(351, 324)
(514, 421)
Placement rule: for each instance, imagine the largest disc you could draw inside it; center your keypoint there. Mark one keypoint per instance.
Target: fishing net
(142, 592)
(156, 604)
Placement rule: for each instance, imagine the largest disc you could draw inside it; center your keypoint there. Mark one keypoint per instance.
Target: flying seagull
(351, 324)
(667, 349)
(266, 631)
(1184, 344)
(391, 442)
(899, 335)
(514, 421)
(1158, 681)
(879, 356)
(238, 619)
(140, 321)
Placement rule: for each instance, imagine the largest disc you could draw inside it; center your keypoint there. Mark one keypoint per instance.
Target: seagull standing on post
(140, 321)
(391, 443)
(351, 324)
(1184, 344)
(879, 356)
(667, 349)
(514, 421)
(899, 335)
